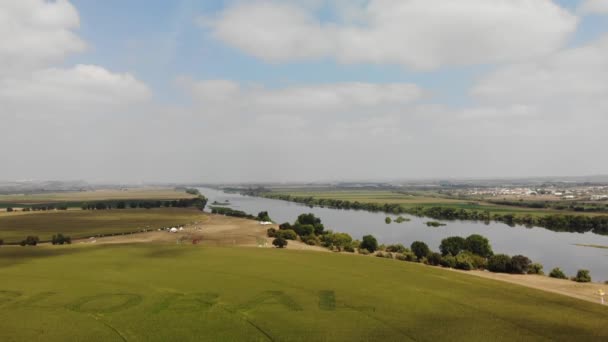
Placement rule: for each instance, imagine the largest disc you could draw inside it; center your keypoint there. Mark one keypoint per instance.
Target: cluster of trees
(198, 202)
(30, 241)
(555, 222)
(60, 239)
(231, 212)
(307, 227)
(582, 276)
(574, 206)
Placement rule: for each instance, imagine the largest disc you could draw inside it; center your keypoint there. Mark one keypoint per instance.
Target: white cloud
(35, 33)
(421, 34)
(81, 89)
(594, 6)
(571, 81)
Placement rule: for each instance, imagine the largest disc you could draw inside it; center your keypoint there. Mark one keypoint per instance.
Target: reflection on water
(552, 249)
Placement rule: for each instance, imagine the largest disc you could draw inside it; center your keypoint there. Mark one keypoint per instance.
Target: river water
(552, 249)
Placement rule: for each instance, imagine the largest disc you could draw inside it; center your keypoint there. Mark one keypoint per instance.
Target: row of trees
(555, 222)
(198, 202)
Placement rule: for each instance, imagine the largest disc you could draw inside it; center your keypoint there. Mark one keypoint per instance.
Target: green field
(153, 292)
(14, 227)
(91, 196)
(421, 200)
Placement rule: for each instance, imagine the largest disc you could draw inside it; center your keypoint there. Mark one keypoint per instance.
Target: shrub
(434, 259)
(310, 240)
(557, 273)
(536, 268)
(420, 249)
(279, 242)
(263, 216)
(287, 234)
(370, 243)
(1, 242)
(464, 262)
(384, 255)
(452, 245)
(271, 232)
(59, 239)
(363, 251)
(9, 209)
(448, 261)
(398, 248)
(349, 249)
(519, 264)
(479, 245)
(388, 220)
(500, 263)
(582, 276)
(30, 241)
(284, 226)
(477, 262)
(304, 229)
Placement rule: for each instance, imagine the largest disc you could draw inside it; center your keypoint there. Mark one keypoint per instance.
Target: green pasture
(154, 292)
(14, 227)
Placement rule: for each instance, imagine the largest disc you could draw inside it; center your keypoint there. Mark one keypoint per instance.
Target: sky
(297, 90)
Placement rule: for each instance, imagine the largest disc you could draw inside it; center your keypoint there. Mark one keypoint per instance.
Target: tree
(1, 242)
(369, 243)
(536, 268)
(557, 273)
(340, 240)
(312, 220)
(285, 225)
(434, 259)
(519, 264)
(464, 261)
(30, 241)
(271, 232)
(420, 249)
(286, 234)
(263, 216)
(398, 248)
(452, 245)
(500, 263)
(279, 242)
(9, 209)
(304, 229)
(582, 276)
(121, 205)
(388, 220)
(479, 245)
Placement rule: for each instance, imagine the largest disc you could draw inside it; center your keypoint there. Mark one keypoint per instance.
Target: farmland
(162, 292)
(75, 198)
(15, 226)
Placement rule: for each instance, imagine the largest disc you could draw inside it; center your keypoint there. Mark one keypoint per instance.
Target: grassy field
(411, 201)
(153, 292)
(96, 195)
(14, 227)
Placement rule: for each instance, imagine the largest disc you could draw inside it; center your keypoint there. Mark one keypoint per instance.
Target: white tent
(173, 230)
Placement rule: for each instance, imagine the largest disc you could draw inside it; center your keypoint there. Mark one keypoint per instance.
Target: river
(552, 249)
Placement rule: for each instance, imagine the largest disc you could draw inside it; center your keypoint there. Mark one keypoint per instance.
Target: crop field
(96, 195)
(410, 201)
(14, 227)
(156, 292)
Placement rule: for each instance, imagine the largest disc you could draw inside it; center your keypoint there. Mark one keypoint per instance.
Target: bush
(370, 243)
(287, 234)
(464, 262)
(420, 249)
(271, 232)
(1, 242)
(398, 248)
(583, 276)
(349, 249)
(499, 263)
(384, 255)
(557, 273)
(388, 220)
(59, 239)
(263, 216)
(448, 261)
(479, 245)
(519, 264)
(337, 240)
(434, 259)
(285, 226)
(304, 229)
(310, 240)
(30, 241)
(9, 210)
(363, 251)
(536, 268)
(477, 262)
(279, 242)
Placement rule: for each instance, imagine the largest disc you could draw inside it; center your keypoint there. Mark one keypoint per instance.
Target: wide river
(552, 249)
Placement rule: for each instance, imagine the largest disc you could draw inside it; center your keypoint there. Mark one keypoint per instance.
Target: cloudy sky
(297, 90)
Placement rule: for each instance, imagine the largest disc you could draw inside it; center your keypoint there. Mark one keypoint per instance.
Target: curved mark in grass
(97, 318)
(7, 296)
(271, 297)
(327, 300)
(196, 302)
(128, 300)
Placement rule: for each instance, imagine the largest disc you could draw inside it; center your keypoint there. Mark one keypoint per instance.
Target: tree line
(555, 222)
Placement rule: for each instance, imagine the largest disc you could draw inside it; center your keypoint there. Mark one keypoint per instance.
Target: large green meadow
(156, 292)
